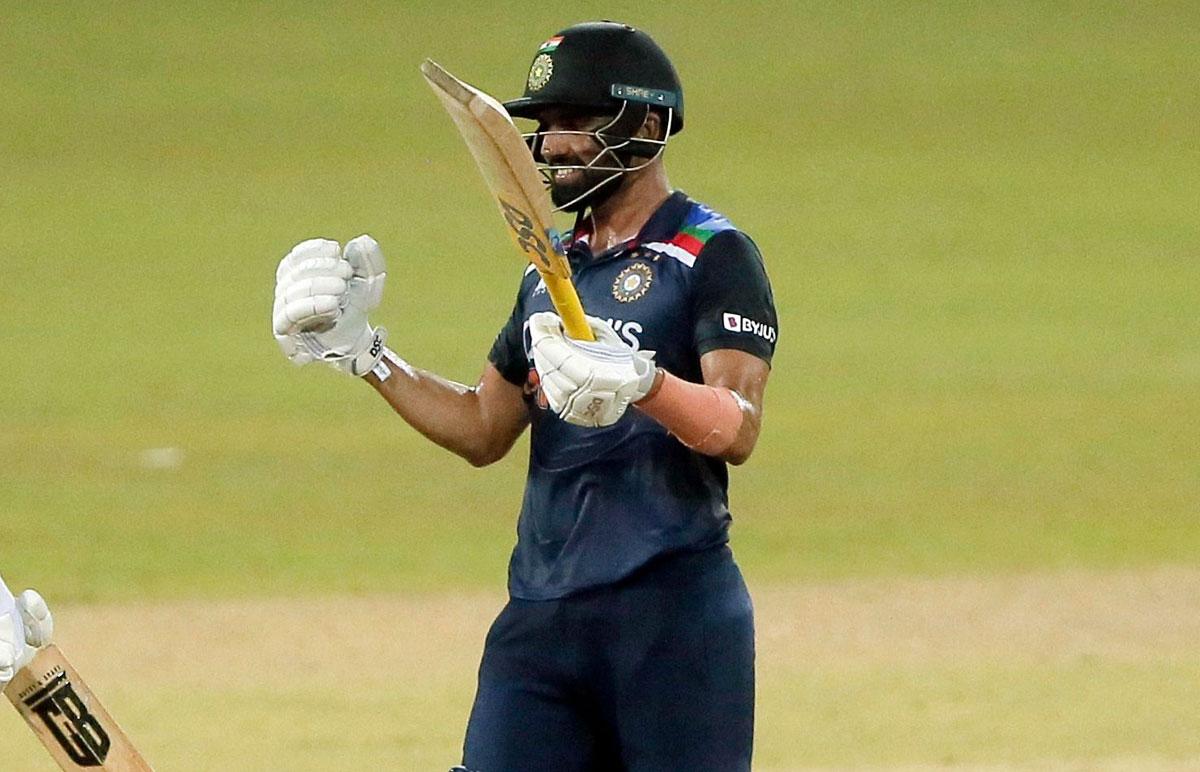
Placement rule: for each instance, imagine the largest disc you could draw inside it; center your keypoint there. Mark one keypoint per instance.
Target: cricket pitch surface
(1047, 671)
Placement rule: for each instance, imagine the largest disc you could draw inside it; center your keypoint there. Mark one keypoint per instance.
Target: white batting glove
(12, 646)
(25, 626)
(36, 616)
(588, 383)
(322, 296)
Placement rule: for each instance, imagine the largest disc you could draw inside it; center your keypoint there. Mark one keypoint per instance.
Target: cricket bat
(66, 716)
(512, 178)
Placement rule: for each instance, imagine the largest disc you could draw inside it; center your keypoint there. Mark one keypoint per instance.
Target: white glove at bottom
(322, 296)
(588, 383)
(25, 625)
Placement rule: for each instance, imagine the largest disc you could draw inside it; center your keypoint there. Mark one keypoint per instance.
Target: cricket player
(628, 641)
(25, 626)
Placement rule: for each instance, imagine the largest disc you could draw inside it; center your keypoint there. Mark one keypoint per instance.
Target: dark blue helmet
(600, 67)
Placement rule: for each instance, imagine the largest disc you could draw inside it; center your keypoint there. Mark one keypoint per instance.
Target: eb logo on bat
(67, 717)
(527, 239)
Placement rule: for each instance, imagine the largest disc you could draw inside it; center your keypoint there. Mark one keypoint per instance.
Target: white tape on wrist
(395, 359)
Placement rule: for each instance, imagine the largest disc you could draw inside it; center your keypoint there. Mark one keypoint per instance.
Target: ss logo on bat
(68, 719)
(522, 227)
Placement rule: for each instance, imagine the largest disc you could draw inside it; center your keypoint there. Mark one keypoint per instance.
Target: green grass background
(982, 222)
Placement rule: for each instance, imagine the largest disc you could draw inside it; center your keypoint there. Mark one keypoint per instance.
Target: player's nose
(555, 146)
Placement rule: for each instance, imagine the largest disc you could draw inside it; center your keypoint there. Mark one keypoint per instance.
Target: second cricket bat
(512, 178)
(66, 716)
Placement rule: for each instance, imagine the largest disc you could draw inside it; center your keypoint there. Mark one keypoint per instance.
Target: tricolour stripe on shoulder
(676, 251)
(700, 225)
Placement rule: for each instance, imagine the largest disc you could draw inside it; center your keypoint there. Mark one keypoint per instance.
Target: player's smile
(573, 182)
(567, 175)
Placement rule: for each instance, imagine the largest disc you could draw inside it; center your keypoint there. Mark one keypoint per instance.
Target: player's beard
(567, 191)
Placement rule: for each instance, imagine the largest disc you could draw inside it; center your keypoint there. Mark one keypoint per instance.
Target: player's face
(568, 145)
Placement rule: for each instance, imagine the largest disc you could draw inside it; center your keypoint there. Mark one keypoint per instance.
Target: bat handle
(566, 302)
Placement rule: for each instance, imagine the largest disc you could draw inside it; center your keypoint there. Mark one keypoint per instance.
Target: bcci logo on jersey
(59, 707)
(739, 323)
(632, 283)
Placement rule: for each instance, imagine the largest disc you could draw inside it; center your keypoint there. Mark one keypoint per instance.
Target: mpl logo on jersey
(56, 703)
(739, 323)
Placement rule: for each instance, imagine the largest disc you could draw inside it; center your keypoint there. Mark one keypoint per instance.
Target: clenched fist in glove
(588, 383)
(322, 296)
(25, 625)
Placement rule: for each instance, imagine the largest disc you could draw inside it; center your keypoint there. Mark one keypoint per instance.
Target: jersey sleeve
(732, 303)
(508, 351)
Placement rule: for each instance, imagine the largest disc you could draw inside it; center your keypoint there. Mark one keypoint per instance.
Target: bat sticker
(54, 700)
(522, 226)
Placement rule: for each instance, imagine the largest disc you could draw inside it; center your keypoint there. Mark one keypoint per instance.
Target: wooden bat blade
(511, 177)
(66, 716)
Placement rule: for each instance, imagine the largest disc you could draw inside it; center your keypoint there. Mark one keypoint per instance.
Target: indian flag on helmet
(550, 44)
(700, 225)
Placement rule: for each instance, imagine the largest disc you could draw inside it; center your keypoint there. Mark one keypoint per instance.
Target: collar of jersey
(662, 226)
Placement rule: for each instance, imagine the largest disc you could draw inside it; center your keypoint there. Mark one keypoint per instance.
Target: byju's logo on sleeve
(739, 323)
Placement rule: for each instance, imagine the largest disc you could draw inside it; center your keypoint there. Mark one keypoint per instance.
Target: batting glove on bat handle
(11, 647)
(588, 383)
(36, 616)
(26, 626)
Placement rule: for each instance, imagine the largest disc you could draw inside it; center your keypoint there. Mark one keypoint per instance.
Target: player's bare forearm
(747, 436)
(721, 417)
(747, 375)
(479, 423)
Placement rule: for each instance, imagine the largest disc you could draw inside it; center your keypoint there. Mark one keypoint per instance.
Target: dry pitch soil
(1135, 615)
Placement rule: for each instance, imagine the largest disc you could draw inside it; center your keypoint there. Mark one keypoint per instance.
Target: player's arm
(593, 383)
(745, 375)
(735, 332)
(322, 296)
(721, 417)
(479, 423)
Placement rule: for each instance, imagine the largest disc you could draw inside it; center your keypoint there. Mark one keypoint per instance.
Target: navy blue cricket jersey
(601, 502)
